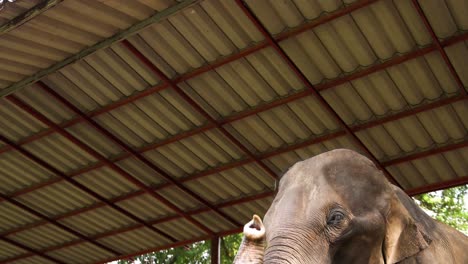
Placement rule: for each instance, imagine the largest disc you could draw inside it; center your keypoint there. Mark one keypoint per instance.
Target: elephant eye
(335, 217)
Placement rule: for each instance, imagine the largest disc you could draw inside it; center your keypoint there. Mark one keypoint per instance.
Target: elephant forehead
(342, 174)
(333, 166)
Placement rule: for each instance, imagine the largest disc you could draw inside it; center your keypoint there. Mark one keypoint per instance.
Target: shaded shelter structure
(134, 126)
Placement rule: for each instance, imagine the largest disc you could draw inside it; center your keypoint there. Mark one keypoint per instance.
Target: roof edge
(96, 47)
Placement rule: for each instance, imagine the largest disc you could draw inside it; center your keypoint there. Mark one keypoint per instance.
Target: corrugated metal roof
(43, 237)
(19, 172)
(97, 221)
(456, 54)
(66, 29)
(13, 217)
(204, 106)
(56, 199)
(136, 240)
(7, 250)
(34, 259)
(442, 167)
(10, 11)
(82, 253)
(247, 210)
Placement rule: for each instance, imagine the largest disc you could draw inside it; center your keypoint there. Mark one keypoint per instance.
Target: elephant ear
(406, 233)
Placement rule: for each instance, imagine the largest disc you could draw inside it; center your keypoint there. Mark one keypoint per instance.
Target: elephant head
(337, 207)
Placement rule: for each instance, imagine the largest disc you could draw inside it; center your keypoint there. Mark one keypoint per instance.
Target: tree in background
(447, 206)
(229, 246)
(196, 253)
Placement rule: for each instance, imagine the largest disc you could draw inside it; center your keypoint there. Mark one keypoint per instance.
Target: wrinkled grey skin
(253, 244)
(337, 207)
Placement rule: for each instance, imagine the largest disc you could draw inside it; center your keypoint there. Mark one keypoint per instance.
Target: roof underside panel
(264, 77)
(42, 237)
(395, 89)
(16, 124)
(417, 133)
(56, 199)
(18, 172)
(446, 17)
(34, 259)
(65, 30)
(456, 54)
(436, 168)
(81, 253)
(179, 131)
(234, 183)
(247, 210)
(283, 125)
(198, 35)
(194, 154)
(135, 240)
(280, 163)
(13, 10)
(9, 251)
(98, 221)
(151, 119)
(13, 217)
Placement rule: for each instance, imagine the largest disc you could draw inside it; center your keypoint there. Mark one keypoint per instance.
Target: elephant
(338, 207)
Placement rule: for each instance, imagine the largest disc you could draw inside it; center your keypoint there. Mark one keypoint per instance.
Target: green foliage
(197, 253)
(447, 206)
(229, 246)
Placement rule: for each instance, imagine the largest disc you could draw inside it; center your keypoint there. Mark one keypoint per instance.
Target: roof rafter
(197, 107)
(310, 87)
(134, 153)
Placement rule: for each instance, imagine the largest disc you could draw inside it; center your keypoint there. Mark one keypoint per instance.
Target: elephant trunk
(252, 249)
(290, 248)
